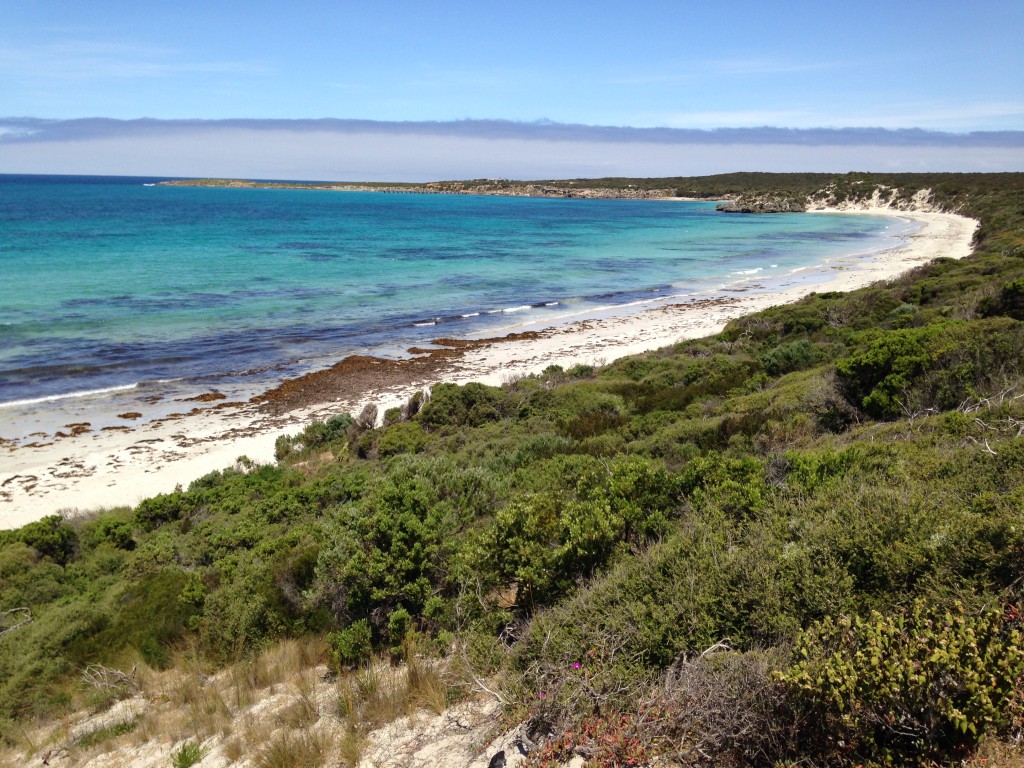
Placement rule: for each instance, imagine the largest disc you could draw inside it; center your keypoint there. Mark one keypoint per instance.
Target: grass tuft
(287, 749)
(187, 755)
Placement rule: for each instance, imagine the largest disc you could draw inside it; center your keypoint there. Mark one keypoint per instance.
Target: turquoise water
(111, 284)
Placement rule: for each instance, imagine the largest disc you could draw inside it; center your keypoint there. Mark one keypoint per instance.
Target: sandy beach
(120, 466)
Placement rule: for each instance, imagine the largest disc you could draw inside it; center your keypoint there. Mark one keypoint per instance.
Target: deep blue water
(109, 283)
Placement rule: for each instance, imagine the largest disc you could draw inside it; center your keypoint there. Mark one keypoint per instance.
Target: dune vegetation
(800, 541)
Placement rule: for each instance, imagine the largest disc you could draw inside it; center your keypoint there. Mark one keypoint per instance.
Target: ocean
(118, 290)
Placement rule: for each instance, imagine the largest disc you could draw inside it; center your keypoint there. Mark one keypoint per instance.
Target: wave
(461, 317)
(69, 396)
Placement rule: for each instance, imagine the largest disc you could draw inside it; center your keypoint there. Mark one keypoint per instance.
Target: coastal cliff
(831, 197)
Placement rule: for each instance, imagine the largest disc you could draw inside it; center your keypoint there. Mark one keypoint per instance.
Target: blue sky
(941, 66)
(950, 66)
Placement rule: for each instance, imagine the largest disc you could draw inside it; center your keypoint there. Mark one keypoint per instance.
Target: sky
(940, 66)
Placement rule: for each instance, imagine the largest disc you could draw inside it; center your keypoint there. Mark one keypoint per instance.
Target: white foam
(69, 396)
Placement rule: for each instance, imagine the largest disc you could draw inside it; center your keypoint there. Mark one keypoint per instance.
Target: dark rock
(762, 204)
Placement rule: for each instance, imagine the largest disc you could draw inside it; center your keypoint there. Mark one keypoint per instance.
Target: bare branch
(104, 678)
(480, 684)
(987, 448)
(13, 619)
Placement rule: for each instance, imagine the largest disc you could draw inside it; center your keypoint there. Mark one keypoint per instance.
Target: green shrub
(352, 646)
(451, 405)
(923, 683)
(544, 542)
(734, 485)
(317, 434)
(399, 625)
(1010, 301)
(934, 367)
(244, 614)
(404, 437)
(794, 356)
(580, 371)
(392, 548)
(587, 409)
(701, 378)
(283, 446)
(51, 537)
(160, 509)
(116, 533)
(151, 615)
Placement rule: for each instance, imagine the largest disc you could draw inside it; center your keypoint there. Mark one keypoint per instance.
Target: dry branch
(104, 678)
(13, 619)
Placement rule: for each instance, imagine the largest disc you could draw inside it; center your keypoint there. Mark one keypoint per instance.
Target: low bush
(924, 683)
(794, 356)
(352, 646)
(937, 367)
(318, 434)
(51, 537)
(404, 437)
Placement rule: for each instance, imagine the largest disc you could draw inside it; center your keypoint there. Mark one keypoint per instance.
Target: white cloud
(959, 117)
(365, 154)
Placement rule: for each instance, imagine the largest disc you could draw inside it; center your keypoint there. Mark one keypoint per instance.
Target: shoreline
(119, 467)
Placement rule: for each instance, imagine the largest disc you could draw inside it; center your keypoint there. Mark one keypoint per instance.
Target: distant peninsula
(499, 187)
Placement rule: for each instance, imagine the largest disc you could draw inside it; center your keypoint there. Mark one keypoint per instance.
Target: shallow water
(115, 292)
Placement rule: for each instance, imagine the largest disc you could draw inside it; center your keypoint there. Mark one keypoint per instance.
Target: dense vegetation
(799, 540)
(948, 189)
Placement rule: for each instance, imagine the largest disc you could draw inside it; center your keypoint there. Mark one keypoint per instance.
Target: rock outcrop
(762, 204)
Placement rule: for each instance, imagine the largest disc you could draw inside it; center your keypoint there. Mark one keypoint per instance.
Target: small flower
(577, 665)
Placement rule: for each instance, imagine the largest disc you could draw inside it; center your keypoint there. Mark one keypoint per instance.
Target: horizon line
(35, 129)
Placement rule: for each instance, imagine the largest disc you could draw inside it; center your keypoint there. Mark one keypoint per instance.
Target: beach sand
(116, 467)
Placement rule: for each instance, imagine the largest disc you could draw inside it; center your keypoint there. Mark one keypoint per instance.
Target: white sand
(113, 468)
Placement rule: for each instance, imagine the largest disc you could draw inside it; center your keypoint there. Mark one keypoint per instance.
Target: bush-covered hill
(801, 540)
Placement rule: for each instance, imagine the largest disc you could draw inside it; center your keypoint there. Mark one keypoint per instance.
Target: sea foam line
(68, 396)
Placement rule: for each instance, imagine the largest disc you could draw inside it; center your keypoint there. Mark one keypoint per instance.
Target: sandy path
(120, 467)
